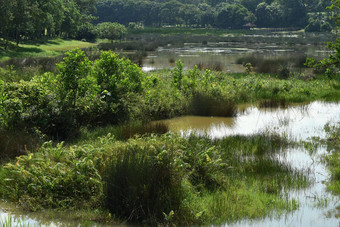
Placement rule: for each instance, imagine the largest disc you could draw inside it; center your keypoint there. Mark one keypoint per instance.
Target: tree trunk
(6, 44)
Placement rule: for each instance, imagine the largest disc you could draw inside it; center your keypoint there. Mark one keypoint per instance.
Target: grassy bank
(47, 48)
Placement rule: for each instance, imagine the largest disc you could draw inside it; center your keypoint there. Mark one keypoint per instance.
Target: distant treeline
(214, 13)
(32, 19)
(36, 19)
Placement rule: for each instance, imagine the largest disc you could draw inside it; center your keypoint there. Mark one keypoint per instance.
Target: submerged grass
(157, 179)
(333, 157)
(13, 222)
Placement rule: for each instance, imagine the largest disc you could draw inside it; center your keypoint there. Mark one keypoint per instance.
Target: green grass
(333, 157)
(183, 30)
(48, 48)
(150, 179)
(13, 222)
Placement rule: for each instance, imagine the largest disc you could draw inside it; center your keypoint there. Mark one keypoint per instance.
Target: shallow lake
(301, 122)
(224, 55)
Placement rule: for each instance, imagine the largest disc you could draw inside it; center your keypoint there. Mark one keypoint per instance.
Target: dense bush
(54, 178)
(112, 90)
(81, 93)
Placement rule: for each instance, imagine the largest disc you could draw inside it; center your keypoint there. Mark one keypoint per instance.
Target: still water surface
(225, 54)
(303, 122)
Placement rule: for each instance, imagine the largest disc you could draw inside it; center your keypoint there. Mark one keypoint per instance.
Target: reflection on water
(226, 54)
(300, 122)
(317, 206)
(186, 123)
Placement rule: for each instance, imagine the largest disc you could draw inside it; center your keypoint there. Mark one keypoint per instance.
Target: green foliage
(145, 181)
(88, 32)
(113, 90)
(74, 68)
(81, 93)
(157, 179)
(330, 65)
(117, 75)
(233, 16)
(111, 31)
(333, 157)
(55, 177)
(211, 13)
(177, 74)
(34, 19)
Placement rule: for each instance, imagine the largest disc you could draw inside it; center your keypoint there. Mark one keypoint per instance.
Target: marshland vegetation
(81, 132)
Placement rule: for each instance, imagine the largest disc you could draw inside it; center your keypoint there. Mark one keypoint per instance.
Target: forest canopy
(215, 13)
(35, 19)
(32, 19)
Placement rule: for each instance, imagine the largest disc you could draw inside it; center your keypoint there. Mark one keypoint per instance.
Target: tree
(295, 13)
(74, 67)
(251, 5)
(170, 12)
(87, 31)
(111, 31)
(6, 18)
(332, 63)
(232, 16)
(269, 15)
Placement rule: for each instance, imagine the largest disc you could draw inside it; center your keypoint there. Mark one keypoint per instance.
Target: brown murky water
(318, 207)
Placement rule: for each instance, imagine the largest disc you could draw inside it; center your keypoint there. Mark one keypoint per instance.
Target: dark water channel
(317, 207)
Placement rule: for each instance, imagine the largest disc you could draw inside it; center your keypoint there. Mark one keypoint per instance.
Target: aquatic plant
(333, 157)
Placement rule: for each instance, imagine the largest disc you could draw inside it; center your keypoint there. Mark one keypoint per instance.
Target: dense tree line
(213, 13)
(35, 19)
(31, 19)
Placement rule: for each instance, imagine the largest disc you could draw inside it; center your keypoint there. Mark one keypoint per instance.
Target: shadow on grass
(19, 52)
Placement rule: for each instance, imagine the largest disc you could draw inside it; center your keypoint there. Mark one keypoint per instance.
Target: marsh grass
(206, 105)
(279, 66)
(122, 132)
(130, 130)
(272, 103)
(332, 159)
(13, 222)
(213, 65)
(210, 175)
(142, 186)
(15, 143)
(158, 179)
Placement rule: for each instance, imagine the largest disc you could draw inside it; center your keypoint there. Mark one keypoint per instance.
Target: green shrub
(177, 74)
(55, 177)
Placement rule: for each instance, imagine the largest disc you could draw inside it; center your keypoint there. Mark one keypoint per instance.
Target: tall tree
(6, 19)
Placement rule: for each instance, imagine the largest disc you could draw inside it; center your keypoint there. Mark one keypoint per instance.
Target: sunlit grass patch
(46, 48)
